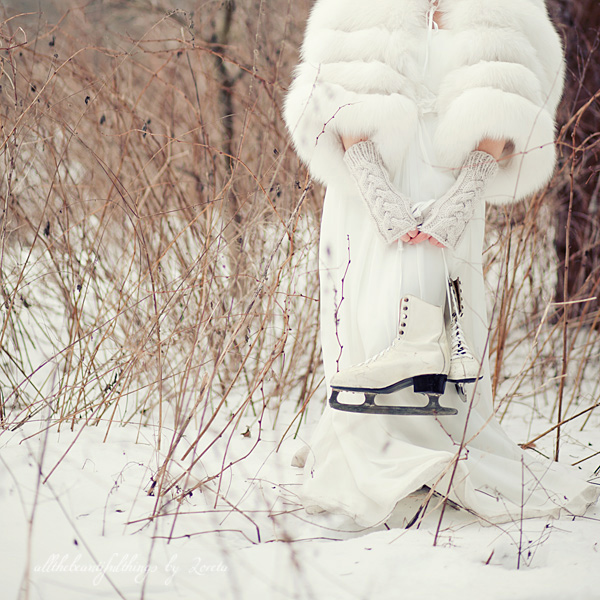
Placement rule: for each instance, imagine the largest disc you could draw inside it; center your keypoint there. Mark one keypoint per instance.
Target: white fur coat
(359, 76)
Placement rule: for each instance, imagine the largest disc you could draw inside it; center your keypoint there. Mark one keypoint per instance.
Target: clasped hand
(416, 237)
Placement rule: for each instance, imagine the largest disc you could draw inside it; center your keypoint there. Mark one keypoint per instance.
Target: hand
(416, 237)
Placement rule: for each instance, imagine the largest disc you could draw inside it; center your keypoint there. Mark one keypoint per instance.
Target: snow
(75, 508)
(79, 514)
(76, 497)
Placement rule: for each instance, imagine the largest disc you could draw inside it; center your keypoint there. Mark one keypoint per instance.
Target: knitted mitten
(450, 214)
(390, 210)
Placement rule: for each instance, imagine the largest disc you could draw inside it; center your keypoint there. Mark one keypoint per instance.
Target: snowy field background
(85, 532)
(159, 350)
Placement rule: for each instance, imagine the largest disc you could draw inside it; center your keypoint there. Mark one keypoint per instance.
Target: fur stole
(360, 76)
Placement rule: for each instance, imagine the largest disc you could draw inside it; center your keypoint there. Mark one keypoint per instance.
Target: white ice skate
(464, 367)
(418, 357)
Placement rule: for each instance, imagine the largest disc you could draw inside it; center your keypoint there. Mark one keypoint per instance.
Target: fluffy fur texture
(359, 76)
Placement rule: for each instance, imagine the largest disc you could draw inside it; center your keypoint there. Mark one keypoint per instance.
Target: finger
(436, 243)
(421, 237)
(407, 237)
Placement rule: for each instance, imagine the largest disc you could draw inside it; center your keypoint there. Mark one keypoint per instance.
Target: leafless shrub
(158, 241)
(158, 238)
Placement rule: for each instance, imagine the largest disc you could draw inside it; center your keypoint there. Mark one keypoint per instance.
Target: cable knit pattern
(390, 210)
(450, 214)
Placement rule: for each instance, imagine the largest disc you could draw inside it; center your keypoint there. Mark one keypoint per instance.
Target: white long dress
(363, 465)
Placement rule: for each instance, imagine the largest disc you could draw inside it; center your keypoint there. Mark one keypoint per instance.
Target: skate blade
(371, 408)
(466, 380)
(395, 387)
(461, 390)
(431, 384)
(461, 387)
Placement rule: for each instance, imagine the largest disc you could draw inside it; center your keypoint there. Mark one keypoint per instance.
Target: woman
(414, 113)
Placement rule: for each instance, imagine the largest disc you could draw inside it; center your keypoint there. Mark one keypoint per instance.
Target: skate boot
(464, 367)
(418, 357)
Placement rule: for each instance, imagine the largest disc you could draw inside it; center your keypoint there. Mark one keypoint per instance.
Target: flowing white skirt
(363, 465)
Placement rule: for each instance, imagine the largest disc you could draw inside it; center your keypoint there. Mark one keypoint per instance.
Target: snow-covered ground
(80, 512)
(76, 500)
(74, 508)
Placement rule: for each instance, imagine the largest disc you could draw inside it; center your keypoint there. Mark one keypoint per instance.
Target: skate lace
(458, 344)
(459, 347)
(380, 354)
